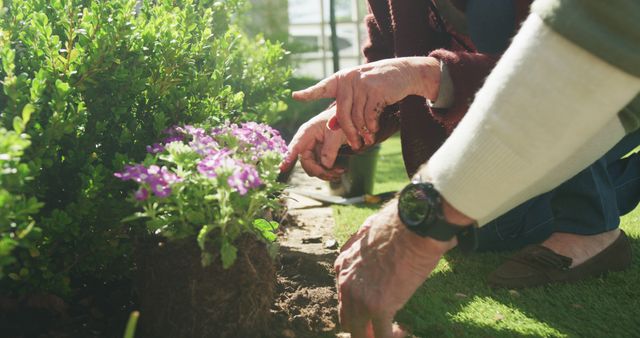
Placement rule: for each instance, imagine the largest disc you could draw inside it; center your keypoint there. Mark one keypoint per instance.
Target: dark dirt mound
(180, 298)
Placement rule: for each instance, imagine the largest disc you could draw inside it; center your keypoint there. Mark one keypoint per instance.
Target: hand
(363, 92)
(379, 269)
(317, 147)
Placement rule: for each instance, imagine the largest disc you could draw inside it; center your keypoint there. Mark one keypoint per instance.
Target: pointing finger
(326, 88)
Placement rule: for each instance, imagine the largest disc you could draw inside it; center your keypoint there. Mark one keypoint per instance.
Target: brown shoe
(536, 265)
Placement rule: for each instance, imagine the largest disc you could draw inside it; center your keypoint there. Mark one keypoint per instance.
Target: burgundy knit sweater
(400, 28)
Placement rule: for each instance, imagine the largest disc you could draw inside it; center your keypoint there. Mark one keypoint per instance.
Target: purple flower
(157, 178)
(244, 178)
(137, 173)
(141, 194)
(168, 176)
(155, 148)
(176, 134)
(175, 138)
(255, 137)
(159, 186)
(193, 131)
(204, 145)
(217, 160)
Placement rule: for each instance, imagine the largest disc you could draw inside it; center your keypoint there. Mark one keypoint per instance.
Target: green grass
(456, 302)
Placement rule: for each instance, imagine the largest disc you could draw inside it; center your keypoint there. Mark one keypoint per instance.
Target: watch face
(415, 204)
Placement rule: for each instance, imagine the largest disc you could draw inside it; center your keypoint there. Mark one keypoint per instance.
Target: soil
(306, 302)
(297, 292)
(180, 298)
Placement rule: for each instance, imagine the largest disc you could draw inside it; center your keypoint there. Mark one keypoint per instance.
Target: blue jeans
(589, 203)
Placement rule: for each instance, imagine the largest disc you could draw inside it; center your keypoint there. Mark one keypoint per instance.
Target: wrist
(419, 244)
(454, 216)
(427, 76)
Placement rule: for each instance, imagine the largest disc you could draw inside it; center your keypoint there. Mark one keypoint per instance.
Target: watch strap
(444, 231)
(440, 230)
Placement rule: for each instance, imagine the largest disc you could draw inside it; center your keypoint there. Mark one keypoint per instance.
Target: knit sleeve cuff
(445, 92)
(467, 72)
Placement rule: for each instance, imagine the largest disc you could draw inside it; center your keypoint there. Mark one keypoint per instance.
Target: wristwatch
(420, 209)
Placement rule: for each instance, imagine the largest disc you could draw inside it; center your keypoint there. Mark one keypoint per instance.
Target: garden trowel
(329, 199)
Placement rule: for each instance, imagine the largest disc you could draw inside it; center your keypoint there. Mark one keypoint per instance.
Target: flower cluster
(197, 180)
(260, 138)
(250, 142)
(158, 179)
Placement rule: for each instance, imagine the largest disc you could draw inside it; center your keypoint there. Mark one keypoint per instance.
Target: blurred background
(322, 37)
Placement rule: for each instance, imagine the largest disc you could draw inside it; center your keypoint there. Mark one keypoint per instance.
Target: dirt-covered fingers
(302, 140)
(330, 147)
(312, 167)
(372, 112)
(358, 109)
(344, 105)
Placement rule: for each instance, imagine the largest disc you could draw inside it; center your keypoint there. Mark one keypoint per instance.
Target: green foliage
(91, 83)
(16, 209)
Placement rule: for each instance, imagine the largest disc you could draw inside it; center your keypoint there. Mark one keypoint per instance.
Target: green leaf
(262, 224)
(228, 254)
(22, 234)
(202, 236)
(18, 124)
(269, 236)
(134, 217)
(196, 217)
(26, 113)
(130, 331)
(62, 87)
(266, 228)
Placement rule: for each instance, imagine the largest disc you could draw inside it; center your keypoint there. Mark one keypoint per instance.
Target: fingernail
(368, 139)
(333, 124)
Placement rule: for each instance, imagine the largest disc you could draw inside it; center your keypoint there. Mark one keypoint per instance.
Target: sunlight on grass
(456, 301)
(487, 312)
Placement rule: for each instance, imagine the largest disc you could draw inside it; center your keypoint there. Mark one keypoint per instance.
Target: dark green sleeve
(630, 115)
(609, 29)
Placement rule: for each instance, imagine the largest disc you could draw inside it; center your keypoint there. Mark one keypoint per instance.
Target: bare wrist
(427, 72)
(454, 216)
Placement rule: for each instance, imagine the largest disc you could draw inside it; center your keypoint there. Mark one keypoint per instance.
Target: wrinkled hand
(317, 146)
(379, 269)
(363, 92)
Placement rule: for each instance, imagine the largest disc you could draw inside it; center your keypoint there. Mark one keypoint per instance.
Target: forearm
(548, 110)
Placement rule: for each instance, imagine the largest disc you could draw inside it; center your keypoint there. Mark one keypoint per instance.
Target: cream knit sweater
(548, 110)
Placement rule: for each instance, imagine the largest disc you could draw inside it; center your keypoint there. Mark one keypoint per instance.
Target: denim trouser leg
(589, 203)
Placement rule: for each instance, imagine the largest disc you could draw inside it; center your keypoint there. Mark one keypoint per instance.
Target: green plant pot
(359, 176)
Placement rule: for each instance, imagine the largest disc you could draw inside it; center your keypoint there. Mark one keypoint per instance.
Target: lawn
(456, 302)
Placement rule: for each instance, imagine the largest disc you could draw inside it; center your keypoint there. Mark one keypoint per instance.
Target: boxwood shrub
(86, 85)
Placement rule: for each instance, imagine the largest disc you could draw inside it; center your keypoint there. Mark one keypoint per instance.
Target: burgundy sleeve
(468, 72)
